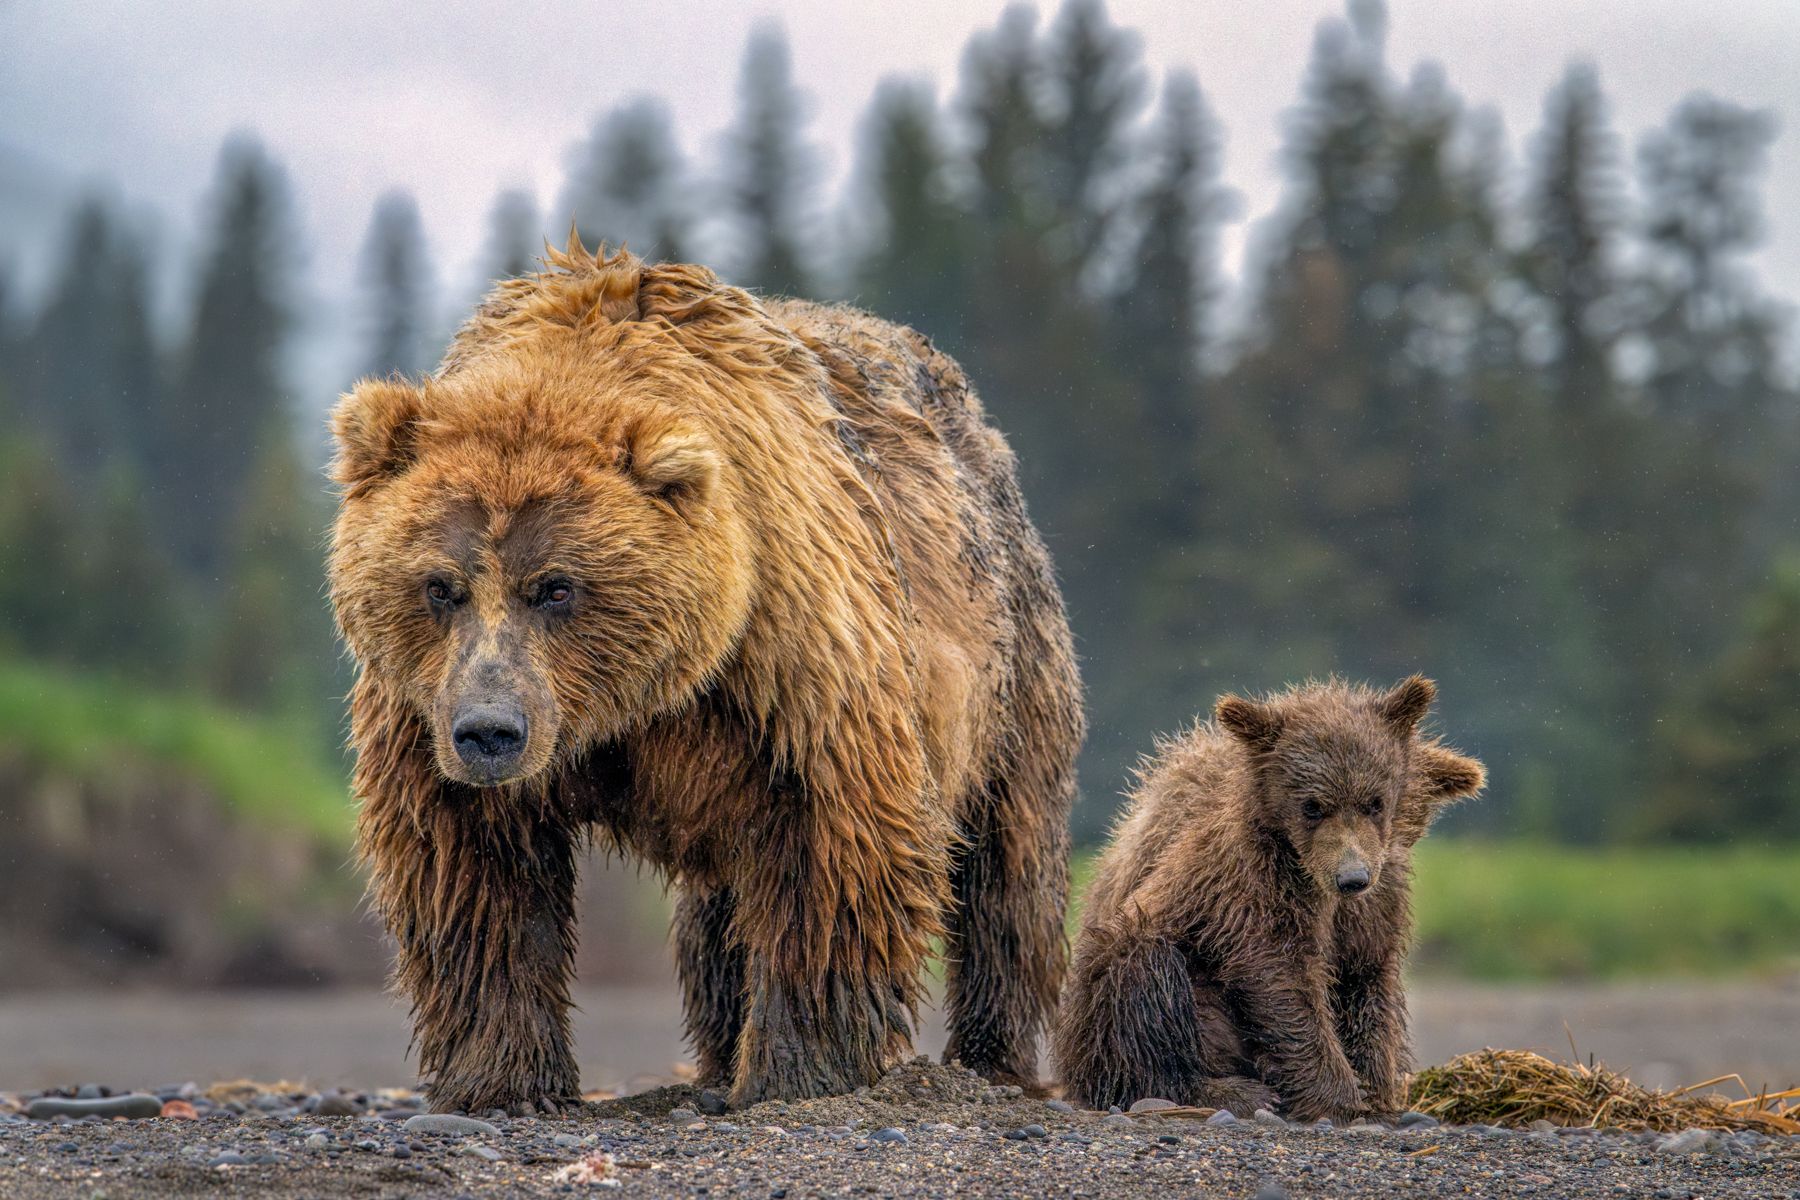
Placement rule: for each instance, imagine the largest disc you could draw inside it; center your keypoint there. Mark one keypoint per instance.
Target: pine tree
(1096, 87)
(1730, 750)
(515, 237)
(232, 391)
(772, 170)
(396, 278)
(626, 184)
(915, 267)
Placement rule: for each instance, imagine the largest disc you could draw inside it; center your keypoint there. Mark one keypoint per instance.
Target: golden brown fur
(1242, 942)
(753, 592)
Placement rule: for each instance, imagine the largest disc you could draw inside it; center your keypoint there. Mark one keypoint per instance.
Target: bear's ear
(1405, 706)
(671, 460)
(375, 426)
(1256, 725)
(1447, 774)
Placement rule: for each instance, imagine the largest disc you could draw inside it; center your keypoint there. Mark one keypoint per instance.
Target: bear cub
(1242, 943)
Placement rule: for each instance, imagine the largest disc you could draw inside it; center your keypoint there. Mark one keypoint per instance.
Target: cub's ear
(1405, 706)
(376, 429)
(1447, 774)
(1251, 722)
(671, 460)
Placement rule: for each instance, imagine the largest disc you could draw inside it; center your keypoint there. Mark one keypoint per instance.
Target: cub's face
(537, 562)
(1344, 778)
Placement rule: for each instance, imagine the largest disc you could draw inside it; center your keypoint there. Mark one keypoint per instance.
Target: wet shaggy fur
(1219, 962)
(753, 582)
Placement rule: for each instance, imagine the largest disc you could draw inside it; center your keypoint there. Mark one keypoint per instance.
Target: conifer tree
(627, 182)
(772, 170)
(515, 237)
(396, 280)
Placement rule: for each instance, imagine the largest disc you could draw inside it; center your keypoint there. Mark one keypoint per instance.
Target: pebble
(317, 1141)
(487, 1153)
(1035, 1131)
(1222, 1117)
(89, 1091)
(1263, 1116)
(1417, 1120)
(1118, 1120)
(888, 1134)
(1061, 1106)
(448, 1124)
(711, 1103)
(566, 1140)
(1271, 1191)
(136, 1106)
(1690, 1141)
(681, 1116)
(1542, 1126)
(231, 1158)
(335, 1104)
(1152, 1104)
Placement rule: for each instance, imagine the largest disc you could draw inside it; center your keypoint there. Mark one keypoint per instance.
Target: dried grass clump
(1517, 1087)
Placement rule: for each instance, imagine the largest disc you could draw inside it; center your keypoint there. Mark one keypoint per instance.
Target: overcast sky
(455, 100)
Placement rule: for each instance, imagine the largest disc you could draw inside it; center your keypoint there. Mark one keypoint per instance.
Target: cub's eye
(440, 594)
(1312, 810)
(553, 593)
(1373, 806)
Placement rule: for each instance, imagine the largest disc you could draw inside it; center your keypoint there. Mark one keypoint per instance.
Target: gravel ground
(923, 1131)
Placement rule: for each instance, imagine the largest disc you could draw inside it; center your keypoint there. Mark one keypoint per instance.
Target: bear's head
(1343, 777)
(541, 547)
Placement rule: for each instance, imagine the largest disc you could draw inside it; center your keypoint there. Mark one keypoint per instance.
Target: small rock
(317, 1141)
(1015, 1135)
(1263, 1116)
(403, 1151)
(179, 1110)
(888, 1134)
(448, 1124)
(90, 1091)
(335, 1104)
(1417, 1120)
(1270, 1190)
(1118, 1121)
(231, 1158)
(1689, 1141)
(681, 1116)
(1222, 1117)
(136, 1106)
(1061, 1106)
(1542, 1126)
(1035, 1131)
(711, 1103)
(1152, 1104)
(486, 1153)
(566, 1140)
(1324, 1125)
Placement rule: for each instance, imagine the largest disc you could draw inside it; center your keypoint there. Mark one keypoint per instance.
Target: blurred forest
(1527, 429)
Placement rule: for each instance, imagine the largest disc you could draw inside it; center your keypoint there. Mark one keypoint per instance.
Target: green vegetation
(91, 727)
(1507, 910)
(1520, 910)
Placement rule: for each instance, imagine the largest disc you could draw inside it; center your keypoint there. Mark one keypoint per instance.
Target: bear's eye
(1373, 805)
(1312, 810)
(553, 593)
(440, 594)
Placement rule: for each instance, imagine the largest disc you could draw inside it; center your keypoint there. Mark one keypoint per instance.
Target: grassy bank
(1513, 910)
(89, 727)
(1518, 910)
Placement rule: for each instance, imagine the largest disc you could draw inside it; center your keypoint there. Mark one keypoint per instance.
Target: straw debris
(1517, 1087)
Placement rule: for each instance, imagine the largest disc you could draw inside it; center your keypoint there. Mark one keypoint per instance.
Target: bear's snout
(490, 739)
(1352, 875)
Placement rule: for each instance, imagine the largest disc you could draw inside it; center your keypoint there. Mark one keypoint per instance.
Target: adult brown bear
(745, 588)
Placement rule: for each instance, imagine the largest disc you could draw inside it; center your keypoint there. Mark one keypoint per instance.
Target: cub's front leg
(1287, 1011)
(1369, 997)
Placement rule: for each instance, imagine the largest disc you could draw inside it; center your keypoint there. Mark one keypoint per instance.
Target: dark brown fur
(1218, 963)
(753, 584)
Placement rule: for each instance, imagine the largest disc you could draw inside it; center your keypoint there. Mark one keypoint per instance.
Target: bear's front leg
(1368, 996)
(1290, 1018)
(835, 926)
(483, 912)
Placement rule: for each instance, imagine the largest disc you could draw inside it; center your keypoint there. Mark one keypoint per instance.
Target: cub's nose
(489, 739)
(1351, 880)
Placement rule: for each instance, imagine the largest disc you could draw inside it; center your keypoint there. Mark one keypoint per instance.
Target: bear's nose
(1351, 880)
(489, 738)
